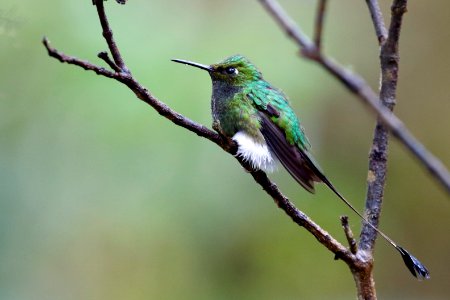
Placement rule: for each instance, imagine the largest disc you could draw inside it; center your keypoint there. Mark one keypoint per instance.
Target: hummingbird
(258, 117)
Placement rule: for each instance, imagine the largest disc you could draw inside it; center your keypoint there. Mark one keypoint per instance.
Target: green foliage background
(101, 198)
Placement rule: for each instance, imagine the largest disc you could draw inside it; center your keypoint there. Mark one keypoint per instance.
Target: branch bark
(389, 61)
(378, 158)
(108, 35)
(320, 18)
(349, 235)
(377, 20)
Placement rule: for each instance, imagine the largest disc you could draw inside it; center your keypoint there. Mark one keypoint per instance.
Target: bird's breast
(233, 111)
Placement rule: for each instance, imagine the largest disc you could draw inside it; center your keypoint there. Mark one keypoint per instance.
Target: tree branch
(108, 35)
(389, 59)
(360, 88)
(288, 25)
(104, 55)
(349, 235)
(142, 93)
(78, 62)
(123, 75)
(302, 219)
(320, 17)
(377, 20)
(376, 179)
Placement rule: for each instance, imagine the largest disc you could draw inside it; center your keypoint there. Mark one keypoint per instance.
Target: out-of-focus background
(101, 198)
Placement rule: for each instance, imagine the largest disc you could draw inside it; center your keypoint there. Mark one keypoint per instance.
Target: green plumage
(237, 108)
(246, 107)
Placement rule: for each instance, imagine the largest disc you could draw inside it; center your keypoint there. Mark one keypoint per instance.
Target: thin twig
(349, 235)
(359, 87)
(105, 57)
(377, 20)
(78, 62)
(320, 17)
(108, 35)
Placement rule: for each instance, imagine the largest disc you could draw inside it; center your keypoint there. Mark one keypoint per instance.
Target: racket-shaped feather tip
(414, 265)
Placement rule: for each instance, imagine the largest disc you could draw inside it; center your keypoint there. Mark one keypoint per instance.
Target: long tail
(301, 165)
(412, 263)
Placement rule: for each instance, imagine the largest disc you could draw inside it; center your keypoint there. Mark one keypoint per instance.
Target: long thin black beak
(194, 64)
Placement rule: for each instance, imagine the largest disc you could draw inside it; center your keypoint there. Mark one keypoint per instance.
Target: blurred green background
(101, 198)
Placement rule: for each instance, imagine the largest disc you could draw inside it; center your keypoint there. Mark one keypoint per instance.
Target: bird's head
(235, 70)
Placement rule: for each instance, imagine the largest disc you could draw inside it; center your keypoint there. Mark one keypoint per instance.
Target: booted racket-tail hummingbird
(258, 117)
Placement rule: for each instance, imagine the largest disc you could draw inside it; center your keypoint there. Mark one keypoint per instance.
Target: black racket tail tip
(416, 268)
(414, 265)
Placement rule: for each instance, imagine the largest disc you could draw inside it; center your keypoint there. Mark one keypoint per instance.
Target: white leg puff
(254, 152)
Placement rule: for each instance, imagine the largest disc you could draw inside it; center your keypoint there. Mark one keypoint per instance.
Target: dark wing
(296, 161)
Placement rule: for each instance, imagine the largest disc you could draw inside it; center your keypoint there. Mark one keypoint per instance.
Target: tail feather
(416, 268)
(301, 165)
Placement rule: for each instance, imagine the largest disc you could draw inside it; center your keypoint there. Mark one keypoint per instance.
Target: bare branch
(349, 235)
(108, 35)
(78, 62)
(302, 219)
(118, 1)
(359, 87)
(377, 20)
(320, 17)
(389, 60)
(142, 94)
(105, 57)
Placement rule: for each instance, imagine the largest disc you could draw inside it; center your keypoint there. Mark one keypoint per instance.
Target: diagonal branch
(141, 92)
(302, 219)
(124, 76)
(288, 25)
(78, 62)
(359, 87)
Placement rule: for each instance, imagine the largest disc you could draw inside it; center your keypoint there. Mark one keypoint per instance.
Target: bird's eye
(231, 71)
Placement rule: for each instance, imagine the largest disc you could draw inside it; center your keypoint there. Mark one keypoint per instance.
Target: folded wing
(296, 161)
